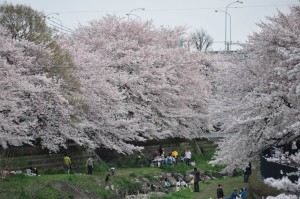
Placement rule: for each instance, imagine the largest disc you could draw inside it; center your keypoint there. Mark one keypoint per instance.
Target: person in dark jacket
(247, 172)
(196, 180)
(220, 193)
(234, 194)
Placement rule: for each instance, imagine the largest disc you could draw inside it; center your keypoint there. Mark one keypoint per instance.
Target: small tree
(24, 23)
(201, 40)
(6, 159)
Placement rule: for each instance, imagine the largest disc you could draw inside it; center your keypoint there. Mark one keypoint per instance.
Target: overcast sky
(195, 14)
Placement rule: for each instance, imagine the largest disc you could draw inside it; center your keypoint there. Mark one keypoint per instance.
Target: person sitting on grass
(4, 173)
(35, 171)
(108, 185)
(169, 160)
(167, 183)
(234, 194)
(243, 194)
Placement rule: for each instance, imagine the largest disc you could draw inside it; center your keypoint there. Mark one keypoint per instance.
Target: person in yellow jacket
(67, 165)
(175, 155)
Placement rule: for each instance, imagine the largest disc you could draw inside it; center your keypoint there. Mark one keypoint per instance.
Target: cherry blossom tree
(25, 23)
(33, 108)
(258, 92)
(137, 84)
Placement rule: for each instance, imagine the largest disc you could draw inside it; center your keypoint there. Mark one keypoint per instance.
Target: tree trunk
(198, 150)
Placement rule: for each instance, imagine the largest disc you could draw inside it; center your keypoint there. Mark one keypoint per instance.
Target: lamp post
(134, 10)
(227, 44)
(135, 16)
(229, 26)
(52, 13)
(49, 18)
(60, 23)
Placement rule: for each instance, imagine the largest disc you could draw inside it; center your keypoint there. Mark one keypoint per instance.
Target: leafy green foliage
(24, 23)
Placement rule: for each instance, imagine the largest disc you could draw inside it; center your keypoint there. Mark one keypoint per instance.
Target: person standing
(67, 165)
(112, 170)
(90, 165)
(247, 172)
(196, 180)
(294, 147)
(188, 156)
(161, 150)
(175, 155)
(220, 193)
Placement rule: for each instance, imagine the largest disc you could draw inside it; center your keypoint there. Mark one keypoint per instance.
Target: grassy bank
(55, 184)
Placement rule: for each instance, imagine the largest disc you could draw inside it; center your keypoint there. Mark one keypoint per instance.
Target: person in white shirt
(294, 147)
(188, 156)
(90, 164)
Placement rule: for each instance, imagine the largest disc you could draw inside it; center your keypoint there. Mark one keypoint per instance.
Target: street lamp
(134, 10)
(135, 16)
(52, 13)
(229, 25)
(227, 44)
(49, 18)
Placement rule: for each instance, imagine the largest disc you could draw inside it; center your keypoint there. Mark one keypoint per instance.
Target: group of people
(32, 171)
(234, 195)
(172, 158)
(29, 172)
(69, 165)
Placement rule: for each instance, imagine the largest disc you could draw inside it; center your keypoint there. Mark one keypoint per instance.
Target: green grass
(43, 187)
(24, 187)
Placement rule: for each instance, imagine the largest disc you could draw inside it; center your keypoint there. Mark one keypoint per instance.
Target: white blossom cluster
(283, 184)
(136, 84)
(283, 196)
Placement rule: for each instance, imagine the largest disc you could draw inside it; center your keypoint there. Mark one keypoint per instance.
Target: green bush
(132, 175)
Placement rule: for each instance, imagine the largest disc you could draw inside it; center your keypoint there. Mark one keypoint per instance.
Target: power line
(59, 26)
(172, 9)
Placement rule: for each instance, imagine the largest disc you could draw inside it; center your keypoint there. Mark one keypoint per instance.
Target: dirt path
(65, 187)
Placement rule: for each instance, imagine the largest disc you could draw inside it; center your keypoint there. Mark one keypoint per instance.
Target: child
(4, 173)
(113, 170)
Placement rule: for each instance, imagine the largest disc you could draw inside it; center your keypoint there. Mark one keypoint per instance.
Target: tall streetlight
(135, 16)
(226, 44)
(134, 10)
(49, 18)
(229, 25)
(52, 13)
